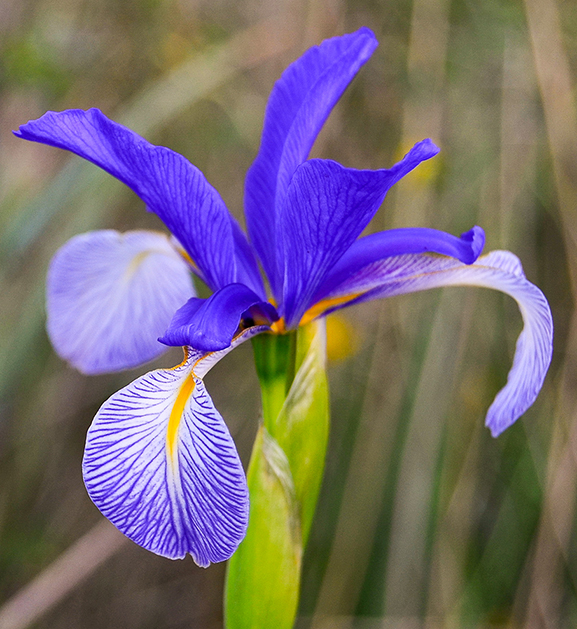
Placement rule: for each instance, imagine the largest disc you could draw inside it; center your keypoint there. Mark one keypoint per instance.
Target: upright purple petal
(297, 108)
(500, 270)
(326, 208)
(395, 242)
(210, 324)
(160, 464)
(168, 183)
(247, 271)
(110, 295)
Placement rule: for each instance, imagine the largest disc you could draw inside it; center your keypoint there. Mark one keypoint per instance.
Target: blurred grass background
(424, 519)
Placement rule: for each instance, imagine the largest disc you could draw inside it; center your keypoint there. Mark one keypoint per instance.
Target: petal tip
(476, 238)
(428, 147)
(496, 425)
(367, 32)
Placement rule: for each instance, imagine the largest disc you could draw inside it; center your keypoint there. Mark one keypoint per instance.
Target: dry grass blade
(70, 569)
(554, 78)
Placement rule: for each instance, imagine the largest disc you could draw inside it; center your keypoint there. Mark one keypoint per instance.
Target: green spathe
(284, 478)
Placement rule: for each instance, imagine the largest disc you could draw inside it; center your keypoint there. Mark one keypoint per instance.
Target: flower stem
(284, 476)
(274, 356)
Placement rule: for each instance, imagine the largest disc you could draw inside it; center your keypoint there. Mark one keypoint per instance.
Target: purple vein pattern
(173, 495)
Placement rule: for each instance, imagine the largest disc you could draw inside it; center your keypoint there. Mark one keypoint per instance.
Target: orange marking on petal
(325, 304)
(185, 255)
(278, 326)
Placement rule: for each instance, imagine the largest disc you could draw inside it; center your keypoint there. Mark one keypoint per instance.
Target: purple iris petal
(326, 208)
(299, 104)
(248, 272)
(210, 324)
(500, 270)
(394, 242)
(110, 295)
(167, 182)
(160, 464)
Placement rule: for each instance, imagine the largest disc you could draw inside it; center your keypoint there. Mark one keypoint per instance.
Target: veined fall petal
(111, 295)
(161, 465)
(500, 270)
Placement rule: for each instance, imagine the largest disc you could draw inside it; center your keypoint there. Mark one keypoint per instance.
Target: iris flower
(159, 460)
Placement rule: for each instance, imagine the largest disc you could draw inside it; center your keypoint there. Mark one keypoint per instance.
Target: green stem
(274, 357)
(284, 476)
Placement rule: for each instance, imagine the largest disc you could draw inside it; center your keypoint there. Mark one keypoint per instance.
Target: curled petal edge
(394, 242)
(210, 324)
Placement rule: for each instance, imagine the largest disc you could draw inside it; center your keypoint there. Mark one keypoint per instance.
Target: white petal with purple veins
(500, 270)
(111, 295)
(161, 465)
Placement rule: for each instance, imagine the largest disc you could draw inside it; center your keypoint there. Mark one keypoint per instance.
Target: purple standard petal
(167, 182)
(210, 324)
(500, 270)
(326, 208)
(395, 242)
(110, 295)
(297, 108)
(160, 464)
(248, 272)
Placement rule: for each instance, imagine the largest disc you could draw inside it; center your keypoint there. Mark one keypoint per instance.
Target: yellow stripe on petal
(185, 391)
(325, 304)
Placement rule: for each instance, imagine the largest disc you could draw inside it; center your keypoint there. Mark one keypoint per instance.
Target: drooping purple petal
(160, 464)
(395, 242)
(167, 182)
(297, 108)
(110, 295)
(326, 208)
(210, 324)
(500, 270)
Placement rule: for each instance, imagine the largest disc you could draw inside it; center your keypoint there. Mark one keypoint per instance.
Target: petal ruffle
(168, 183)
(395, 242)
(161, 465)
(297, 108)
(500, 270)
(326, 208)
(110, 295)
(210, 324)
